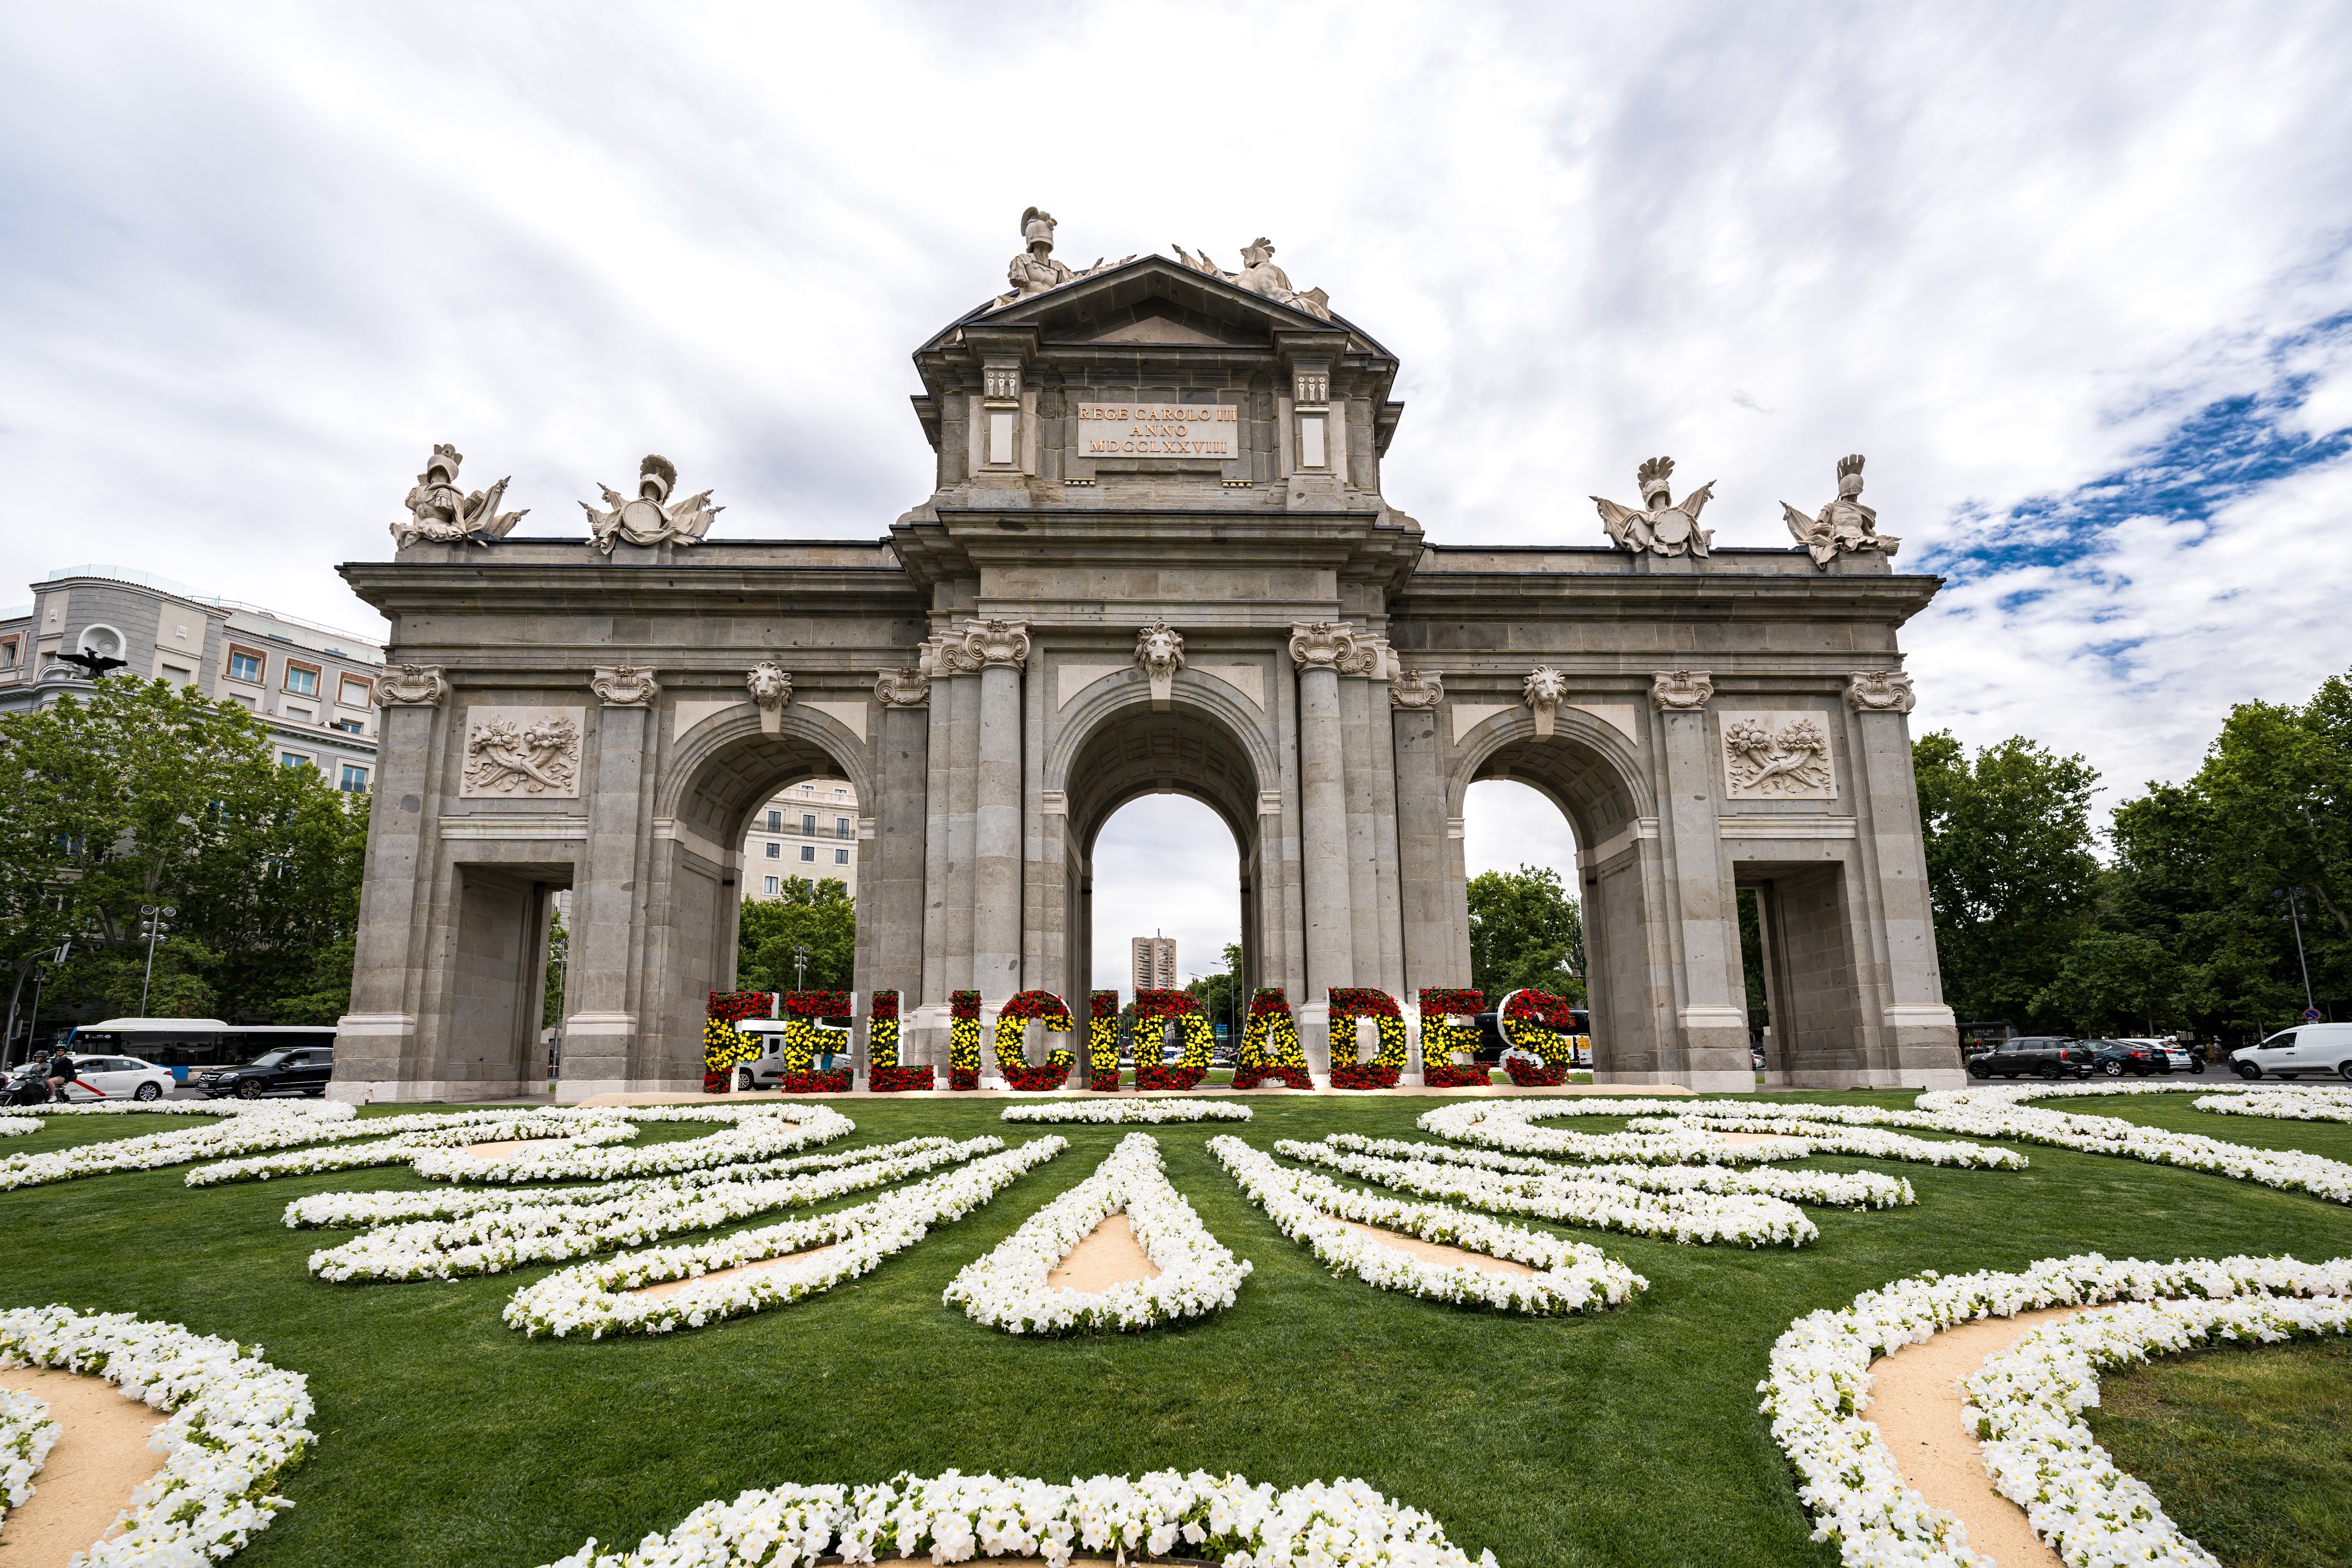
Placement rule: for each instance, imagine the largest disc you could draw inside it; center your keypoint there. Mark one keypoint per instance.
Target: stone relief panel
(1777, 756)
(523, 753)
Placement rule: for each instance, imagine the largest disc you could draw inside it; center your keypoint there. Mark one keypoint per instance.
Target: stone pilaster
(601, 1036)
(1317, 649)
(1921, 1044)
(1710, 998)
(378, 1051)
(1001, 649)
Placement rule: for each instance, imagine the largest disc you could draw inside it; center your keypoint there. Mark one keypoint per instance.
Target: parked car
(2177, 1057)
(767, 1069)
(118, 1078)
(301, 1071)
(2141, 1059)
(2308, 1050)
(2035, 1055)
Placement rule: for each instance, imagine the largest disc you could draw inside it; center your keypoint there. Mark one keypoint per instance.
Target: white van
(2307, 1050)
(768, 1069)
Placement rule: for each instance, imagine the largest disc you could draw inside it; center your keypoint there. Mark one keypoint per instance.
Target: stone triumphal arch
(1157, 557)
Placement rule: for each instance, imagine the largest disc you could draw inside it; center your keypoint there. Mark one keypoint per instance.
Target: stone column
(376, 1042)
(1921, 1043)
(601, 1039)
(1389, 900)
(1316, 648)
(1001, 648)
(1711, 1016)
(923, 1021)
(1415, 710)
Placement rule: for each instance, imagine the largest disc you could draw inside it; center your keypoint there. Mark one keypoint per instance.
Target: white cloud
(258, 266)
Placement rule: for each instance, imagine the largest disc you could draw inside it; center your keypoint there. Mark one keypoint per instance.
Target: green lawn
(1628, 1438)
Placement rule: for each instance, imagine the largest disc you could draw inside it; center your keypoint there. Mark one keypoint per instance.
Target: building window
(352, 693)
(776, 851)
(244, 664)
(840, 794)
(354, 778)
(841, 827)
(302, 680)
(177, 675)
(808, 851)
(774, 887)
(294, 759)
(7, 653)
(295, 710)
(840, 856)
(243, 699)
(351, 726)
(808, 823)
(775, 822)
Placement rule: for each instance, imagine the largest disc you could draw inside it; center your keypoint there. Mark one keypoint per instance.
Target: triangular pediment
(1154, 301)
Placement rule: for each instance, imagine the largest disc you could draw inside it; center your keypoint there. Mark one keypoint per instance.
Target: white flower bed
(414, 1134)
(1510, 1125)
(1120, 1112)
(1868, 1143)
(760, 1135)
(1006, 1287)
(1861, 1190)
(954, 1518)
(351, 1210)
(594, 1298)
(1579, 1200)
(2027, 1402)
(1817, 1389)
(1574, 1275)
(237, 1423)
(326, 1109)
(275, 1128)
(2288, 1104)
(27, 1433)
(518, 1235)
(18, 1126)
(1505, 1124)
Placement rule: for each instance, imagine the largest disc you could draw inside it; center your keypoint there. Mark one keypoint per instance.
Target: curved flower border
(1006, 1288)
(757, 1135)
(594, 1298)
(1817, 1389)
(1574, 1275)
(1856, 1189)
(578, 1129)
(236, 1425)
(516, 1236)
(954, 1518)
(279, 1127)
(1117, 1112)
(27, 1433)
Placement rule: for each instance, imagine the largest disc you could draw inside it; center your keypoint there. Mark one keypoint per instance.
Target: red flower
(1363, 1075)
(895, 1080)
(1251, 1077)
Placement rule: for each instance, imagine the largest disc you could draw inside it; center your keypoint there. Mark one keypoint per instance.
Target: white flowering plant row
(1006, 1288)
(2288, 1104)
(1510, 1124)
(415, 1134)
(237, 1423)
(1123, 1112)
(278, 1127)
(329, 1210)
(27, 1433)
(956, 1518)
(763, 1134)
(1859, 1190)
(517, 1235)
(1573, 1276)
(18, 1126)
(1578, 1199)
(1506, 1124)
(324, 1110)
(599, 1298)
(1817, 1392)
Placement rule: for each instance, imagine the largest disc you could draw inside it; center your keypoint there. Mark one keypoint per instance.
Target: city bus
(193, 1045)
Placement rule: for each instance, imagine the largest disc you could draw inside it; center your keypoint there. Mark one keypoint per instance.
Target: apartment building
(1152, 963)
(312, 687)
(809, 831)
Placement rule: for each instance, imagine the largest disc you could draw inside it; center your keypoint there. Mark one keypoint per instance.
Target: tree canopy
(144, 796)
(819, 915)
(1526, 931)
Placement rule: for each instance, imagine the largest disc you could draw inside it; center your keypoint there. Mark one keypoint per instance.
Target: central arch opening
(1185, 855)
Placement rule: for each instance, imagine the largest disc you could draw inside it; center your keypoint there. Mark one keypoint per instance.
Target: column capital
(906, 687)
(411, 685)
(1680, 690)
(995, 642)
(1880, 691)
(1416, 689)
(624, 685)
(1322, 645)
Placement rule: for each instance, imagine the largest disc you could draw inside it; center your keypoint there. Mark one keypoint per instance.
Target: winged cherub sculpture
(1659, 525)
(439, 511)
(1844, 526)
(646, 520)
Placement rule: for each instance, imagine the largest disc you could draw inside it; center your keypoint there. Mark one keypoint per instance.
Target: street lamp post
(155, 915)
(800, 968)
(40, 978)
(2295, 914)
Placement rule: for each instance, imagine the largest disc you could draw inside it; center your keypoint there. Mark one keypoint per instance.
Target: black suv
(2117, 1057)
(304, 1069)
(2035, 1055)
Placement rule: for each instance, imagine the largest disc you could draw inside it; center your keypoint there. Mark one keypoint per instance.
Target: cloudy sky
(2077, 279)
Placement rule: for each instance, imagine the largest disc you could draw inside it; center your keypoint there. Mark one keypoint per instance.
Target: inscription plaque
(1209, 431)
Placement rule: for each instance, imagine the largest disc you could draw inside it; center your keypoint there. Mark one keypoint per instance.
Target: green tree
(144, 795)
(1526, 932)
(818, 915)
(2010, 869)
(1220, 995)
(559, 958)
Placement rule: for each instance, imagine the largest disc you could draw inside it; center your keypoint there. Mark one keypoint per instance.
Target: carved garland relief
(523, 753)
(1777, 756)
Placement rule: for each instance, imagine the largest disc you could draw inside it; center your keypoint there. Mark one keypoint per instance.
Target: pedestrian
(62, 1073)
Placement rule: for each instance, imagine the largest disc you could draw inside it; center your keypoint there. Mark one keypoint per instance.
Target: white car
(2307, 1050)
(118, 1078)
(2177, 1057)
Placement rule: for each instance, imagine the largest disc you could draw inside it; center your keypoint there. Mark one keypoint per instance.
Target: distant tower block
(1152, 963)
